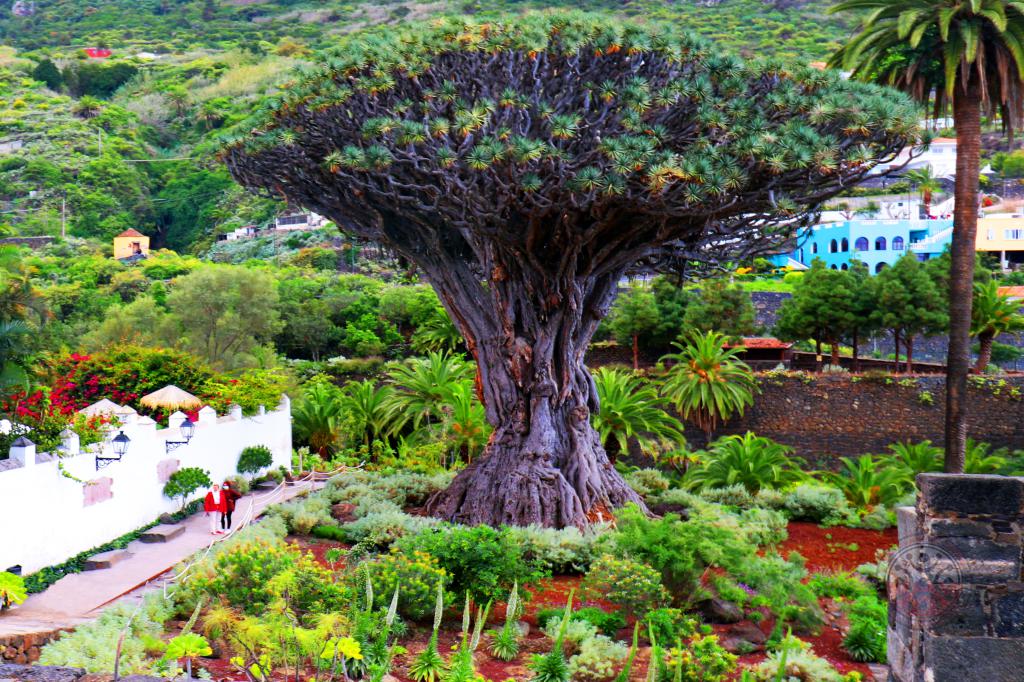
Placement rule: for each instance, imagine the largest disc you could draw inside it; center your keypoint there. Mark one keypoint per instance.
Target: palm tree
(749, 460)
(632, 408)
(423, 384)
(12, 353)
(465, 421)
(926, 183)
(318, 418)
(707, 384)
(992, 314)
(371, 413)
(940, 51)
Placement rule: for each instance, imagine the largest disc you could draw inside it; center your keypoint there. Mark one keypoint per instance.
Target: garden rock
(39, 673)
(717, 610)
(743, 638)
(344, 512)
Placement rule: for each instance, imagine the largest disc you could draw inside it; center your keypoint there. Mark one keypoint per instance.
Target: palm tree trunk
(984, 352)
(967, 119)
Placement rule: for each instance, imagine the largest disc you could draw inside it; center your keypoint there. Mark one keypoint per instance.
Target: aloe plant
(505, 642)
(552, 666)
(429, 666)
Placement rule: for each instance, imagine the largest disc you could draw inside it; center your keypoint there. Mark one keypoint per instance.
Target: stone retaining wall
(956, 598)
(22, 649)
(825, 416)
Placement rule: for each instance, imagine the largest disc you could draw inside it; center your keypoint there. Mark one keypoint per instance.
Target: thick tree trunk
(967, 119)
(544, 463)
(834, 360)
(984, 352)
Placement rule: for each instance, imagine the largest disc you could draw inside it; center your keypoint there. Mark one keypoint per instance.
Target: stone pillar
(235, 412)
(956, 598)
(70, 444)
(206, 416)
(23, 451)
(176, 419)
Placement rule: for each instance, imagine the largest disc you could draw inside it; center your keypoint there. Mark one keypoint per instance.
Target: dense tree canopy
(524, 166)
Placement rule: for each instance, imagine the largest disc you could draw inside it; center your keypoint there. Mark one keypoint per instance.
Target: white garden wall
(48, 518)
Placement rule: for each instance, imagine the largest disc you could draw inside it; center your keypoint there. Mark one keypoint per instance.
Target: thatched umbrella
(101, 407)
(171, 397)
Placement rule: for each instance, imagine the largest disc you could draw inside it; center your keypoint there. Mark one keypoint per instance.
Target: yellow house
(131, 244)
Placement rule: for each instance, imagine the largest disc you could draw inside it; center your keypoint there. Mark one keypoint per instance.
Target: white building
(299, 221)
(57, 505)
(941, 156)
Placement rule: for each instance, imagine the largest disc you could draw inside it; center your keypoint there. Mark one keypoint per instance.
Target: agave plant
(707, 383)
(867, 481)
(428, 665)
(632, 408)
(749, 460)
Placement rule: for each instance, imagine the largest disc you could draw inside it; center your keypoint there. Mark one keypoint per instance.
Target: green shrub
(769, 498)
(800, 664)
(763, 526)
(647, 481)
(752, 461)
(698, 657)
(12, 589)
(817, 503)
(560, 551)
(605, 622)
(666, 625)
(576, 631)
(184, 482)
(416, 574)
(92, 645)
(734, 496)
(866, 639)
(381, 529)
(630, 585)
(598, 660)
(480, 560)
(833, 585)
(254, 458)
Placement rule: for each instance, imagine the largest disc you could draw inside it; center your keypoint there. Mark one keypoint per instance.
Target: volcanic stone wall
(956, 598)
(826, 416)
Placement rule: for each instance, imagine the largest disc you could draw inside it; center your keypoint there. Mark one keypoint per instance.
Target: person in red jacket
(230, 497)
(215, 505)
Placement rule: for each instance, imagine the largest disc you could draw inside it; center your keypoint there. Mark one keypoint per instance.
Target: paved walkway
(77, 598)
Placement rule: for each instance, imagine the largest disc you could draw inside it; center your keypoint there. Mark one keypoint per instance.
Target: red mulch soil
(318, 547)
(837, 549)
(825, 549)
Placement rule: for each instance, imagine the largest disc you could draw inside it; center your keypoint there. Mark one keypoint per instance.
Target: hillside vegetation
(128, 140)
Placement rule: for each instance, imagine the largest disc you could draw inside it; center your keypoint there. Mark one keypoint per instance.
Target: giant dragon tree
(525, 165)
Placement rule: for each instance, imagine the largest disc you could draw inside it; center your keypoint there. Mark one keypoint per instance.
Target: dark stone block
(979, 560)
(955, 610)
(1009, 614)
(984, 659)
(972, 494)
(959, 528)
(39, 673)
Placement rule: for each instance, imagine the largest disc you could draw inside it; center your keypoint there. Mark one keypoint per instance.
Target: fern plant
(505, 642)
(429, 666)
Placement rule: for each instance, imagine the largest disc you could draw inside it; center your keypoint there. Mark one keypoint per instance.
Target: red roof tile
(1012, 292)
(131, 233)
(761, 342)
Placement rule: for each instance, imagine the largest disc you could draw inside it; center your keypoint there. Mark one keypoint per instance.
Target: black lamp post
(119, 444)
(187, 428)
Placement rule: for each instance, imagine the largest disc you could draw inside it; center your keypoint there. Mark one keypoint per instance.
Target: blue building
(876, 243)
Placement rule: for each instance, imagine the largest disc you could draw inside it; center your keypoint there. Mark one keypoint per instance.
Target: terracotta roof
(1012, 292)
(944, 140)
(131, 233)
(760, 342)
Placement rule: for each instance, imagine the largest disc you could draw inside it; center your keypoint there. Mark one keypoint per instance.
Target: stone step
(162, 533)
(106, 559)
